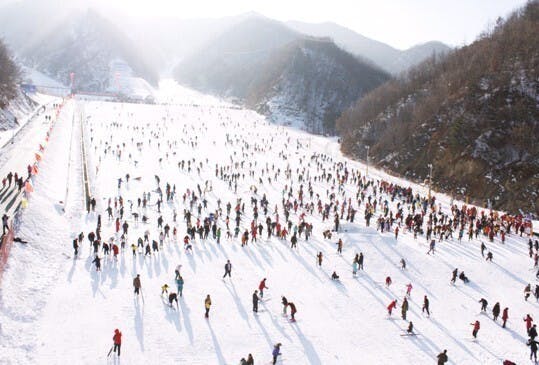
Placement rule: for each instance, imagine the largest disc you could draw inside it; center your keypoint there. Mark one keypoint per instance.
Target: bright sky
(400, 23)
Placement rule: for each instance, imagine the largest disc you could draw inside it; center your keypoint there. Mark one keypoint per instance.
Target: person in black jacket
(533, 332)
(484, 304)
(442, 357)
(533, 348)
(284, 301)
(228, 269)
(255, 301)
(496, 311)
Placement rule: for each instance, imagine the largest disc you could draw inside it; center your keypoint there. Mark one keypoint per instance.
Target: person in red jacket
(261, 287)
(292, 310)
(391, 306)
(476, 327)
(528, 321)
(117, 338)
(505, 316)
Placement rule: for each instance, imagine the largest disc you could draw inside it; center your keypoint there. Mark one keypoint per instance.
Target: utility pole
(430, 178)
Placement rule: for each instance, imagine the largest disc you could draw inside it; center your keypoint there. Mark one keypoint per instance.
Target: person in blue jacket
(179, 284)
(276, 352)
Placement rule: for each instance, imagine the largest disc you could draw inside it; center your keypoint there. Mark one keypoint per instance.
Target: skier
(454, 276)
(390, 307)
(403, 264)
(164, 289)
(463, 277)
(442, 357)
(207, 305)
(137, 285)
(292, 311)
(5, 226)
(261, 287)
(431, 247)
(426, 306)
(410, 329)
(489, 256)
(505, 316)
(250, 360)
(179, 285)
(483, 247)
(388, 281)
(334, 276)
(117, 339)
(404, 308)
(496, 311)
(528, 319)
(527, 292)
(339, 246)
(319, 257)
(177, 271)
(228, 269)
(533, 348)
(409, 290)
(255, 301)
(484, 304)
(476, 327)
(284, 301)
(76, 246)
(354, 268)
(172, 297)
(97, 262)
(533, 332)
(276, 352)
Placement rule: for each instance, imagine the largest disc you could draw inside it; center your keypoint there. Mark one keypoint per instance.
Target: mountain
(55, 38)
(292, 78)
(310, 82)
(168, 40)
(228, 63)
(473, 115)
(89, 46)
(388, 58)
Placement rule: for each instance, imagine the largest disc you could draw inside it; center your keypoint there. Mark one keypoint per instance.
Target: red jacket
(528, 321)
(117, 338)
(505, 315)
(392, 305)
(476, 326)
(262, 285)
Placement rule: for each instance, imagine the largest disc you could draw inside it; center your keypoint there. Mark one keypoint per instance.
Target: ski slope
(56, 309)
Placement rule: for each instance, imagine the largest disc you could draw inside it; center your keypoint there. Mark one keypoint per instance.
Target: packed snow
(55, 308)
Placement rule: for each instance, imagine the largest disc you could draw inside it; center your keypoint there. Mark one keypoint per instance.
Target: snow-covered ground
(55, 309)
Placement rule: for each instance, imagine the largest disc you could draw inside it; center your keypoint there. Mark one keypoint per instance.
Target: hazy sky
(400, 23)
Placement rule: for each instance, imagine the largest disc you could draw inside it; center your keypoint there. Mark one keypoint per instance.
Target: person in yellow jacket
(207, 304)
(164, 289)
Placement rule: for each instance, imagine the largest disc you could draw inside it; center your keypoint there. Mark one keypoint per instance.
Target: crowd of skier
(192, 214)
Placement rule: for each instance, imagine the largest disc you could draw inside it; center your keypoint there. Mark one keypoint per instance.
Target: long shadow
(95, 284)
(301, 260)
(171, 315)
(237, 300)
(139, 325)
(510, 274)
(185, 311)
(192, 261)
(216, 346)
(72, 270)
(310, 351)
(266, 335)
(448, 334)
